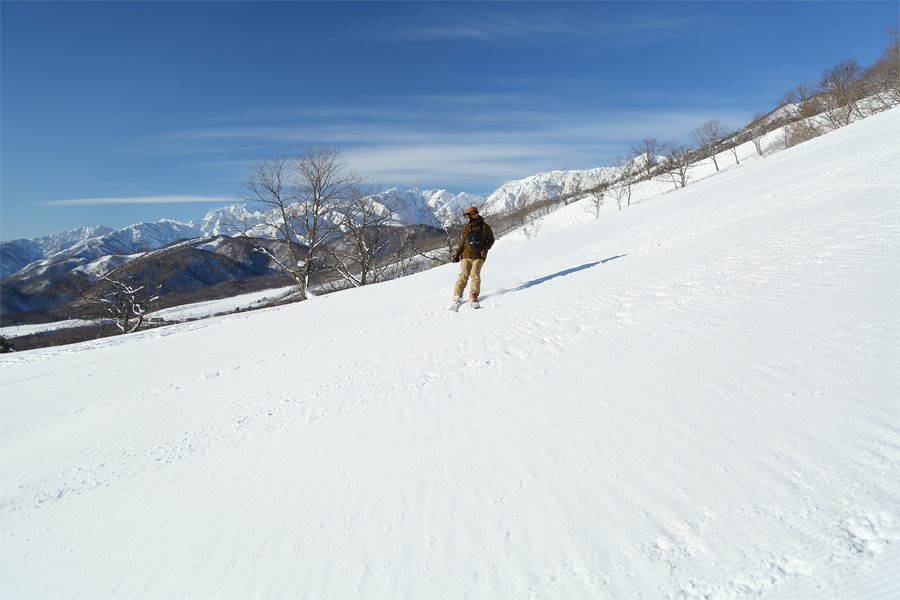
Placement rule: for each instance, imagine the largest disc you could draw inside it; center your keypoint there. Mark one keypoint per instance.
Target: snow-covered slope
(695, 397)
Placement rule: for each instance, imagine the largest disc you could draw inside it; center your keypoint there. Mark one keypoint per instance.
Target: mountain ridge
(413, 206)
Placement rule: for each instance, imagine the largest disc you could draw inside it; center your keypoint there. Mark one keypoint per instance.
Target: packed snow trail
(694, 397)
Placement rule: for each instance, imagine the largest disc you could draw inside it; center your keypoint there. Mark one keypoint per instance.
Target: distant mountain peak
(86, 244)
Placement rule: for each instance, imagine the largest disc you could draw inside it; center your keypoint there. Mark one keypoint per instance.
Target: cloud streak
(547, 27)
(140, 200)
(475, 151)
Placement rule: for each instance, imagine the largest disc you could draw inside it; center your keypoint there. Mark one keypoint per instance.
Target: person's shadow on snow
(541, 280)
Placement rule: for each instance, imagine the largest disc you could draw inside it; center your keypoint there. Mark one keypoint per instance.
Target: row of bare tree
(330, 221)
(319, 223)
(804, 112)
(836, 99)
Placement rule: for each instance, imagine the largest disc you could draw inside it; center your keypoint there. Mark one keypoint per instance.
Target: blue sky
(118, 112)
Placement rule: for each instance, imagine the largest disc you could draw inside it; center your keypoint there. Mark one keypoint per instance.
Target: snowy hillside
(517, 194)
(695, 397)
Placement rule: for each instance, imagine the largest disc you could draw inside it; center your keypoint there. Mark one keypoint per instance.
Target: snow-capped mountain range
(89, 243)
(70, 249)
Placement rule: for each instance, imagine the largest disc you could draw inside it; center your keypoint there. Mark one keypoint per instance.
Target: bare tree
(408, 244)
(556, 186)
(625, 182)
(269, 184)
(842, 87)
(804, 106)
(571, 186)
(733, 139)
(531, 222)
(303, 196)
(648, 151)
(595, 201)
(801, 131)
(756, 130)
(617, 191)
(323, 183)
(127, 293)
(884, 76)
(708, 138)
(561, 187)
(803, 101)
(367, 235)
(541, 203)
(678, 160)
(574, 187)
(542, 199)
(449, 233)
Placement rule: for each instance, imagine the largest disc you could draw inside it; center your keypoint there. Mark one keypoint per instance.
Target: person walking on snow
(477, 239)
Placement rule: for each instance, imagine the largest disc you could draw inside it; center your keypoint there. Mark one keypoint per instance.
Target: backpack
(475, 239)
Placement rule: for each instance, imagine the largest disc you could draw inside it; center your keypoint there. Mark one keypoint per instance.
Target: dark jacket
(482, 236)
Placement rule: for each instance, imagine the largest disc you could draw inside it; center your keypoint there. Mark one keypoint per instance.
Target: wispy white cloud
(141, 200)
(467, 142)
(546, 27)
(487, 31)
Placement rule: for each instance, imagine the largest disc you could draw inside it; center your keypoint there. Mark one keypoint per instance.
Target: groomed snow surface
(694, 397)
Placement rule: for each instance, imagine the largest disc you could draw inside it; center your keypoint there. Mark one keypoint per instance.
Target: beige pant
(469, 268)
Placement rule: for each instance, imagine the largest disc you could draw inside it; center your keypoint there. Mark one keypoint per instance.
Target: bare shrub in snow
(802, 131)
